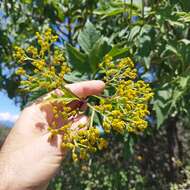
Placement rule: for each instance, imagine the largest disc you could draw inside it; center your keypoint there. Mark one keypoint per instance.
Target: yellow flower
(74, 157)
(20, 71)
(83, 154)
(31, 50)
(19, 54)
(102, 144)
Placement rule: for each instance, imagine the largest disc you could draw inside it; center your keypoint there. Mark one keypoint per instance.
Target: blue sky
(8, 110)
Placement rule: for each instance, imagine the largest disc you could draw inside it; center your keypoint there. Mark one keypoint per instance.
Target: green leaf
(117, 51)
(185, 41)
(34, 95)
(171, 49)
(117, 9)
(180, 89)
(128, 146)
(88, 37)
(96, 55)
(75, 76)
(77, 59)
(168, 97)
(175, 23)
(134, 32)
(183, 81)
(162, 113)
(162, 104)
(184, 16)
(67, 97)
(111, 12)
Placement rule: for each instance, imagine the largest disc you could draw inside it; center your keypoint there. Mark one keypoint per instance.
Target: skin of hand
(28, 160)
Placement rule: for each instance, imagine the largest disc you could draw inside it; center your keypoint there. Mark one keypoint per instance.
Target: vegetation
(156, 35)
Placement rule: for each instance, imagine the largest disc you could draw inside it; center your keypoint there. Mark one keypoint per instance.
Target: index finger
(86, 88)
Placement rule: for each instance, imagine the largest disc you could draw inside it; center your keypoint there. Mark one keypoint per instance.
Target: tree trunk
(175, 149)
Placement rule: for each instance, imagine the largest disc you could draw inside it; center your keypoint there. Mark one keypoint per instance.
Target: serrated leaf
(88, 37)
(77, 59)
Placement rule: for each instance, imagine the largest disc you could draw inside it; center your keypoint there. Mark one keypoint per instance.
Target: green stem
(90, 106)
(76, 144)
(116, 75)
(82, 145)
(131, 10)
(143, 4)
(92, 118)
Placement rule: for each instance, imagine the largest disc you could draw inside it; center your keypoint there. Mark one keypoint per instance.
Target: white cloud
(6, 116)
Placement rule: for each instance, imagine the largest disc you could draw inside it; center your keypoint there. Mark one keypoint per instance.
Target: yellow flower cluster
(45, 41)
(48, 74)
(19, 54)
(83, 141)
(123, 110)
(49, 68)
(127, 108)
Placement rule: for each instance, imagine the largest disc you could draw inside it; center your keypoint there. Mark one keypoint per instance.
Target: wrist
(8, 178)
(5, 174)
(8, 174)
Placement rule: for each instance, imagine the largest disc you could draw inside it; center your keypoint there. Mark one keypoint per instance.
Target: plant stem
(143, 4)
(82, 145)
(131, 9)
(92, 118)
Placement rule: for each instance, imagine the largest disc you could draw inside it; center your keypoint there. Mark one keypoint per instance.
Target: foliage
(186, 184)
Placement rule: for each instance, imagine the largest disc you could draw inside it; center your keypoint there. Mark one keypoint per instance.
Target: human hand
(27, 159)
